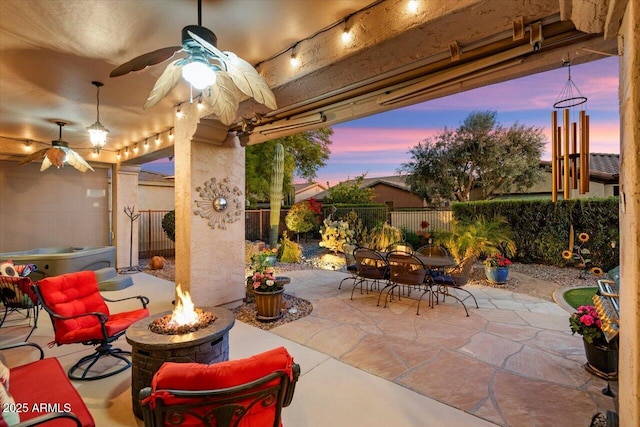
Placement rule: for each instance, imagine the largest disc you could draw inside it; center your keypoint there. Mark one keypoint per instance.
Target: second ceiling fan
(222, 76)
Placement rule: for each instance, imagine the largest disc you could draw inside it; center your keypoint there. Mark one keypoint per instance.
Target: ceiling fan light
(199, 73)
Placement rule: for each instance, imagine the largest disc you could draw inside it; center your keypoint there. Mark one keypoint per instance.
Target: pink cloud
(359, 140)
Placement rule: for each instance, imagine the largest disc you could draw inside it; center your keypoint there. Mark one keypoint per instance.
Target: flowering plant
(497, 260)
(586, 322)
(263, 278)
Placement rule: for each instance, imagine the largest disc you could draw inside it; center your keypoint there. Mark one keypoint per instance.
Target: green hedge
(541, 228)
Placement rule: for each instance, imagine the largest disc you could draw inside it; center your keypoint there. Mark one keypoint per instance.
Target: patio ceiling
(51, 50)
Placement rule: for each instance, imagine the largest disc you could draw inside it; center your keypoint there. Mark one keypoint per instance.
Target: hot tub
(60, 260)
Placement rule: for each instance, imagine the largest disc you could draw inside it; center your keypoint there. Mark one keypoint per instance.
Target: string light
(346, 35)
(157, 138)
(200, 104)
(135, 147)
(179, 111)
(146, 143)
(118, 155)
(126, 151)
(171, 134)
(294, 60)
(412, 6)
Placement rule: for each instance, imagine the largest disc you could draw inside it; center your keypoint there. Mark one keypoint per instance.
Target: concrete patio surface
(512, 362)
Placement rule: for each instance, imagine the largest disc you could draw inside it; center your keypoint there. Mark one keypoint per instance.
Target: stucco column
(125, 191)
(629, 363)
(209, 243)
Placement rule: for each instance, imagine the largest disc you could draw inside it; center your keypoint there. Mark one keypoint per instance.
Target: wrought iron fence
(412, 220)
(151, 238)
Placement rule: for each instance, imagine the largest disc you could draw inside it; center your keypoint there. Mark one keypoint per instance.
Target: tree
(479, 155)
(350, 192)
(304, 154)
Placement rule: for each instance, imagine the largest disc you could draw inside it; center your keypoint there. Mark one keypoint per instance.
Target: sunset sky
(378, 145)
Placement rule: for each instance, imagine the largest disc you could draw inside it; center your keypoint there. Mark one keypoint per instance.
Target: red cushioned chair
(247, 392)
(80, 315)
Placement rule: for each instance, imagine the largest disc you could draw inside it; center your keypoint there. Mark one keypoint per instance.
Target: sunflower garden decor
(579, 253)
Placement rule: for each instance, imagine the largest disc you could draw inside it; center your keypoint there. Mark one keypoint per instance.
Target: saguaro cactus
(275, 199)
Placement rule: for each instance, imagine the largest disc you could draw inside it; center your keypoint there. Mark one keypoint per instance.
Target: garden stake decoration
(581, 254)
(130, 212)
(569, 161)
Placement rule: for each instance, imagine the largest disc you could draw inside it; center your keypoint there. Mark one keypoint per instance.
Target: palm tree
(479, 236)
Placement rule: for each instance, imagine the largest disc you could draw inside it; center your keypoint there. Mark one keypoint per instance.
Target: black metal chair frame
(409, 271)
(9, 296)
(104, 347)
(442, 287)
(352, 267)
(228, 405)
(371, 266)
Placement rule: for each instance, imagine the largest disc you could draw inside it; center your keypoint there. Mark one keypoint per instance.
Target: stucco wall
(56, 207)
(154, 195)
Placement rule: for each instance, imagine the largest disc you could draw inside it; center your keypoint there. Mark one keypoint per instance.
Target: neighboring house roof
(153, 176)
(397, 181)
(603, 167)
(299, 188)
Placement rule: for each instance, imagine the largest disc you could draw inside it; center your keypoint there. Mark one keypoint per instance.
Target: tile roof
(605, 163)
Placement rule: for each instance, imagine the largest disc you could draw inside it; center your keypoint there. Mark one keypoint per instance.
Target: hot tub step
(106, 274)
(115, 283)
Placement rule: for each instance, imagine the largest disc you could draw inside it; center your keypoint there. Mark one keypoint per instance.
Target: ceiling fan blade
(223, 97)
(165, 83)
(143, 61)
(249, 81)
(208, 46)
(46, 164)
(75, 160)
(34, 156)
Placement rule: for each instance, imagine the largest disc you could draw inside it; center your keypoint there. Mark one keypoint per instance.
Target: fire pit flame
(184, 313)
(185, 317)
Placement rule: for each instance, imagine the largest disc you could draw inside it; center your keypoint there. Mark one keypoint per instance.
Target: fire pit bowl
(149, 350)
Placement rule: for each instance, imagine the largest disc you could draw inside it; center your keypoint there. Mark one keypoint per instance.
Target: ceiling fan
(58, 154)
(222, 76)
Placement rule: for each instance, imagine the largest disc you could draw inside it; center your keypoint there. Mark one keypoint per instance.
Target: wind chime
(569, 142)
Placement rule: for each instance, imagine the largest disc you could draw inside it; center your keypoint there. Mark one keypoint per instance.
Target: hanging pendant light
(97, 132)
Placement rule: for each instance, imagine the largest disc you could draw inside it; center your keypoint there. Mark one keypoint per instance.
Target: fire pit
(149, 350)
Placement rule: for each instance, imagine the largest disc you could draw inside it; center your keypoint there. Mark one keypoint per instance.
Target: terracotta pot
(602, 360)
(496, 274)
(268, 305)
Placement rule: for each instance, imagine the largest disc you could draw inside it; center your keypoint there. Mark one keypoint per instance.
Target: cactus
(275, 199)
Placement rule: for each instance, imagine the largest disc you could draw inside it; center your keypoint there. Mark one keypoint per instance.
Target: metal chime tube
(554, 156)
(565, 171)
(574, 155)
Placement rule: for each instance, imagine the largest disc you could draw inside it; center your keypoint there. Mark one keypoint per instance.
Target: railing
(371, 216)
(411, 220)
(151, 238)
(256, 224)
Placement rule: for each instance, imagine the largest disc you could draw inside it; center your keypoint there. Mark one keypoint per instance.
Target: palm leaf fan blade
(34, 156)
(165, 83)
(249, 81)
(223, 98)
(74, 160)
(143, 61)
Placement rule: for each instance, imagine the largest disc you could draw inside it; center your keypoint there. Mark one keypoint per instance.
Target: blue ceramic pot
(496, 274)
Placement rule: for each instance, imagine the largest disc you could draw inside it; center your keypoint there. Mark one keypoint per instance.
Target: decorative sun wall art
(221, 204)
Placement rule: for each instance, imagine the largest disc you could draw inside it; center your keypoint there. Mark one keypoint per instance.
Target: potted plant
(496, 268)
(476, 237)
(602, 356)
(265, 288)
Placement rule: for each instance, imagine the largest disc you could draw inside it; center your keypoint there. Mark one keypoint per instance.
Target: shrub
(379, 238)
(335, 234)
(289, 251)
(169, 225)
(303, 216)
